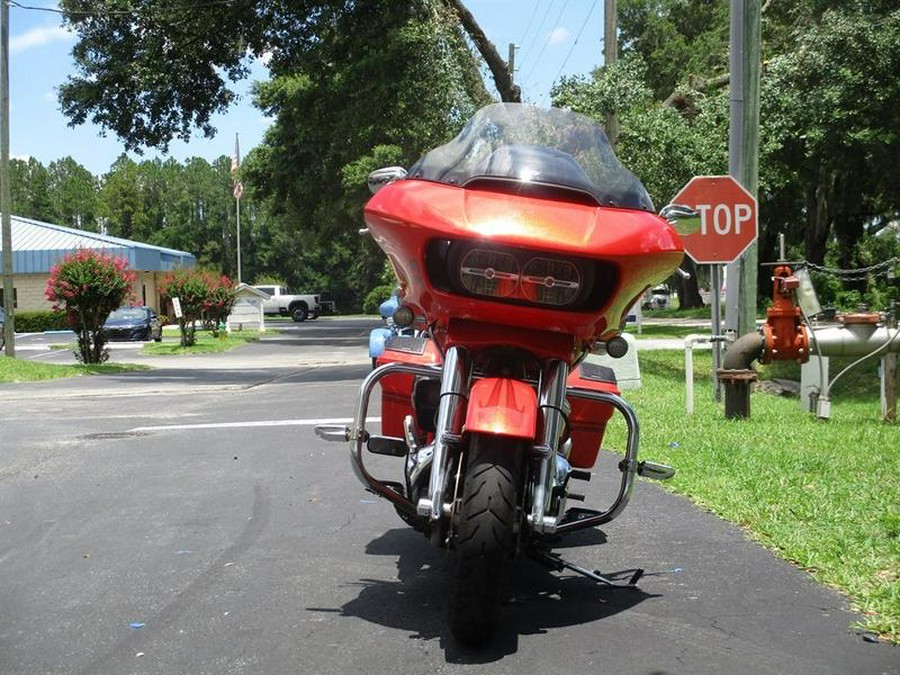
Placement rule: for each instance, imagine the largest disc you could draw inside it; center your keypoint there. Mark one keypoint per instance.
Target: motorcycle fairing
(503, 407)
(405, 216)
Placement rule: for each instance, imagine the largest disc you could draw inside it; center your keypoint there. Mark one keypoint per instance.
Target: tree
(29, 183)
(157, 72)
(401, 74)
(87, 286)
(73, 194)
(203, 296)
(189, 286)
(830, 113)
(219, 302)
(663, 146)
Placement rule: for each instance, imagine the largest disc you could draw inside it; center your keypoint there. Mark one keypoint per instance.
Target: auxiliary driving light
(403, 316)
(617, 347)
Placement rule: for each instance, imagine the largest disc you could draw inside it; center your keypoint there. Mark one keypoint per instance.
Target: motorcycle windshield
(514, 147)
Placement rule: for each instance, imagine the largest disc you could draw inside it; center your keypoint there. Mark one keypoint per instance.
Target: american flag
(235, 165)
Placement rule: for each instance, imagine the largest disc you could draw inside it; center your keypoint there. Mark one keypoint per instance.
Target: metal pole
(716, 328)
(743, 154)
(512, 63)
(237, 201)
(9, 333)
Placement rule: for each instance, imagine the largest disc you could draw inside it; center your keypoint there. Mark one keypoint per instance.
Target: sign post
(728, 226)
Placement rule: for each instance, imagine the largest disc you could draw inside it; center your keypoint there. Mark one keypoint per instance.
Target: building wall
(29, 291)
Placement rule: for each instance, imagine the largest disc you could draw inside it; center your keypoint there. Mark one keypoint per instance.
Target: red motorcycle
(519, 248)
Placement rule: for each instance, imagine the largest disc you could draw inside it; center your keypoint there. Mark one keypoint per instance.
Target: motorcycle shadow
(536, 601)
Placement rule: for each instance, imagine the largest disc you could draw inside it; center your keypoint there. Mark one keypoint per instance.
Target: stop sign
(727, 218)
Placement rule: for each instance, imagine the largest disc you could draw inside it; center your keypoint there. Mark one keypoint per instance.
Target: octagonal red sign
(728, 218)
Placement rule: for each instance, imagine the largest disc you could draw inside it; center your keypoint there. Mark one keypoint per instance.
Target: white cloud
(38, 37)
(559, 35)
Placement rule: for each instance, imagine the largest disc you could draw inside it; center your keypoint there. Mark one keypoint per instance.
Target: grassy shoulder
(822, 494)
(18, 370)
(205, 343)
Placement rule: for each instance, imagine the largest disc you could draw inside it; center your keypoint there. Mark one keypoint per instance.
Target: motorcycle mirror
(683, 218)
(381, 177)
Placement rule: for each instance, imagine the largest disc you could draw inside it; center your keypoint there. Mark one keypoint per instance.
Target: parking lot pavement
(276, 351)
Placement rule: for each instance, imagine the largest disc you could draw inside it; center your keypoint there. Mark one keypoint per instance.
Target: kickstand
(555, 562)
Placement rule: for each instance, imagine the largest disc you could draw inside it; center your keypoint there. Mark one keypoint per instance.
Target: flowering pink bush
(203, 296)
(87, 285)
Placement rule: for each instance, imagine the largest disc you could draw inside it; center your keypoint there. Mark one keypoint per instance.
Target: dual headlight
(519, 276)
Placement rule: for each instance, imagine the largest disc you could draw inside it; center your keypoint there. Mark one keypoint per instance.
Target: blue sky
(555, 37)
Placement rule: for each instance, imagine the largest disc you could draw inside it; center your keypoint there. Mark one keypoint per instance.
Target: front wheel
(299, 313)
(485, 538)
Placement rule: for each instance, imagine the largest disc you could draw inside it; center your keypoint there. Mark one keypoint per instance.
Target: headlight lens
(550, 282)
(491, 273)
(514, 275)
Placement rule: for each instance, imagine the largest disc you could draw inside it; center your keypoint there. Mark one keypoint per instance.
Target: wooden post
(610, 56)
(5, 198)
(743, 152)
(889, 387)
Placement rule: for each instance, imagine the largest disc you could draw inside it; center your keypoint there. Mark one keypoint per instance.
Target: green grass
(822, 494)
(660, 331)
(205, 344)
(16, 370)
(694, 313)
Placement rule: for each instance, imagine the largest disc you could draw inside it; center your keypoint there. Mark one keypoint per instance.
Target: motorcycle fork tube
(551, 401)
(448, 427)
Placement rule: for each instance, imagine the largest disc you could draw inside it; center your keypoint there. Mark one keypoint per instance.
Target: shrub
(376, 296)
(87, 285)
(40, 322)
(203, 297)
(219, 302)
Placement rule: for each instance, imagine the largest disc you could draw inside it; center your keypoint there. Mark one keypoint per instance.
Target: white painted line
(239, 425)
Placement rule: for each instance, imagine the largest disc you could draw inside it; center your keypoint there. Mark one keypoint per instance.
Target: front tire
(485, 539)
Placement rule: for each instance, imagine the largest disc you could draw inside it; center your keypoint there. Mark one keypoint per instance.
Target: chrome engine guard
(358, 436)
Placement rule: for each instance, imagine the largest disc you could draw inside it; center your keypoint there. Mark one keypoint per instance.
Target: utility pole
(743, 154)
(9, 333)
(610, 56)
(512, 63)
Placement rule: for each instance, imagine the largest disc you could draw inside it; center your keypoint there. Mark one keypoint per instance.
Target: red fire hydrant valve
(786, 336)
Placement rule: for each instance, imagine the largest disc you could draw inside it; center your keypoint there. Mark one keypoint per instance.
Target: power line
(122, 12)
(546, 42)
(577, 37)
(527, 48)
(530, 20)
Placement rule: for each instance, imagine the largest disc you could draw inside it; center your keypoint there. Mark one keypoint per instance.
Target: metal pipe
(357, 434)
(552, 398)
(856, 339)
(450, 418)
(628, 466)
(736, 374)
(744, 351)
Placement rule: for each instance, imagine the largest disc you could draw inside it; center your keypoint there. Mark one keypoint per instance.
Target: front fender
(503, 407)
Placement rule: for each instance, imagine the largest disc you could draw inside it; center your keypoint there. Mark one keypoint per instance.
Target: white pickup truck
(282, 302)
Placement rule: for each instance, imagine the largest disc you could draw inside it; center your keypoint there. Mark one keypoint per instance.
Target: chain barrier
(885, 268)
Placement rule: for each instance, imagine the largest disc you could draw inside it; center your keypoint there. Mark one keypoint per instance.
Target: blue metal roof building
(38, 246)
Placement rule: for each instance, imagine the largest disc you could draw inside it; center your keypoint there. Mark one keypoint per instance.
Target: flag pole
(237, 202)
(238, 192)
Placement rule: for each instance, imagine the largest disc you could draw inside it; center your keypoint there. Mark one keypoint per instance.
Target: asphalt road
(187, 520)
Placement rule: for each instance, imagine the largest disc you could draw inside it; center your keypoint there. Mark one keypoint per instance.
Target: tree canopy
(364, 83)
(830, 114)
